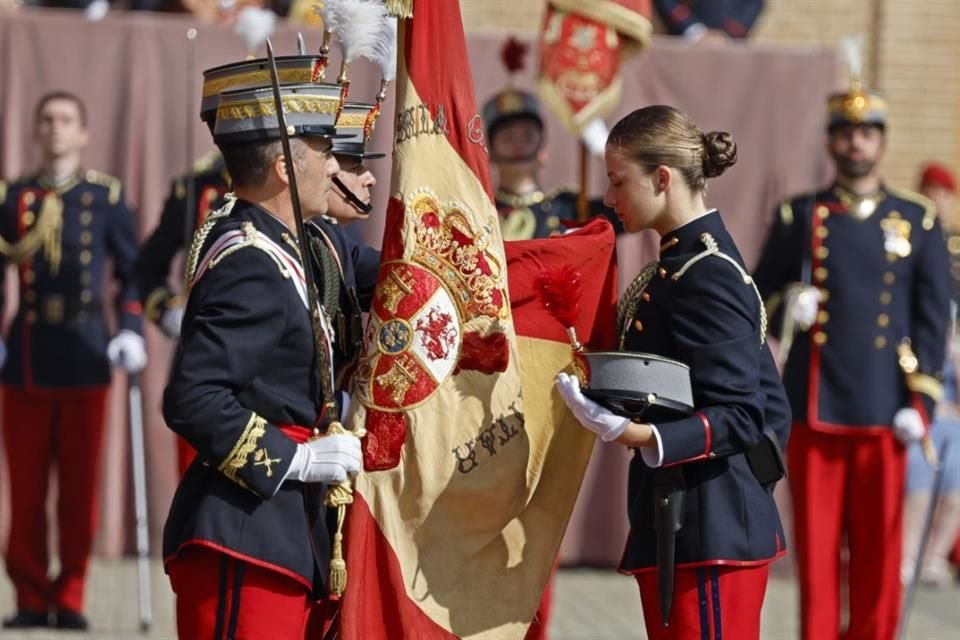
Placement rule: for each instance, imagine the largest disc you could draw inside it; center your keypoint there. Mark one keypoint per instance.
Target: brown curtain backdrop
(142, 93)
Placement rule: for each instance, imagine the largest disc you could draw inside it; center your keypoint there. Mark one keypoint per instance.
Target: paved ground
(589, 605)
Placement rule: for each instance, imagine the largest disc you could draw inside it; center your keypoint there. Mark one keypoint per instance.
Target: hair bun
(719, 153)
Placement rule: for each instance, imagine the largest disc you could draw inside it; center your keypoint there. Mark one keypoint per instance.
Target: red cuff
(734, 29)
(133, 307)
(680, 13)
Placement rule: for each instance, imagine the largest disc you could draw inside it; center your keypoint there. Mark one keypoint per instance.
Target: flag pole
(583, 203)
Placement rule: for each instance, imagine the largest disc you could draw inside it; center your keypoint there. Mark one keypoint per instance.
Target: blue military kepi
(856, 107)
(253, 74)
(354, 128)
(250, 115)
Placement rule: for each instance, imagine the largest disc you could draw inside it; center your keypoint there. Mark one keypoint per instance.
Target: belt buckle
(52, 309)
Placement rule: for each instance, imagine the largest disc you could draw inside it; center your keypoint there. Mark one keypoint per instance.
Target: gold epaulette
(929, 209)
(206, 162)
(180, 188)
(3, 191)
(713, 249)
(105, 180)
(787, 214)
(563, 190)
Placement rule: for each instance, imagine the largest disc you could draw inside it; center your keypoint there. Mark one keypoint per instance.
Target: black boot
(26, 619)
(74, 620)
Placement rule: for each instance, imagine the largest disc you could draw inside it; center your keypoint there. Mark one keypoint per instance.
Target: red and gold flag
(471, 469)
(582, 44)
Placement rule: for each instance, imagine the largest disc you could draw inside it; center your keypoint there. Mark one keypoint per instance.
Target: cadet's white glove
(3, 352)
(908, 425)
(327, 459)
(606, 424)
(802, 302)
(170, 322)
(128, 351)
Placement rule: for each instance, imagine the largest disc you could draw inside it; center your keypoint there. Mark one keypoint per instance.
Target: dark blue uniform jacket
(703, 310)
(62, 241)
(883, 280)
(245, 365)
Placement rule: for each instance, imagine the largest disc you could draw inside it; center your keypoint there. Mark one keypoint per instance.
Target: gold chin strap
(47, 233)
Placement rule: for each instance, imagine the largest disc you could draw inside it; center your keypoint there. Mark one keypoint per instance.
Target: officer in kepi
(516, 136)
(348, 269)
(251, 384)
(855, 277)
(60, 226)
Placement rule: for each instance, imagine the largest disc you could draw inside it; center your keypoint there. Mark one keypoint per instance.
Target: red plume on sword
(582, 45)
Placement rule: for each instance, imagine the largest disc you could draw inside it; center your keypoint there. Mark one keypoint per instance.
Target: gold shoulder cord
(627, 306)
(47, 234)
(200, 237)
(712, 249)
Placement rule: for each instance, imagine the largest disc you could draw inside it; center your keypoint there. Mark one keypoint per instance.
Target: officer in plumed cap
(855, 277)
(245, 543)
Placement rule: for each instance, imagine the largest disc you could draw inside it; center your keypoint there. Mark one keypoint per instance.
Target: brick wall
(916, 62)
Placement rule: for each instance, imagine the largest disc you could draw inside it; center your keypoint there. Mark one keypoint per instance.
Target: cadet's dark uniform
(734, 17)
(701, 308)
(884, 280)
(56, 375)
(152, 269)
(243, 392)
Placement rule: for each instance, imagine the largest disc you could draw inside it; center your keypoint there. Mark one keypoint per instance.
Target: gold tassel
(338, 566)
(400, 8)
(340, 496)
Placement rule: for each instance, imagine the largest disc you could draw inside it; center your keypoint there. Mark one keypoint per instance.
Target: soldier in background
(716, 20)
(60, 226)
(516, 136)
(163, 307)
(861, 269)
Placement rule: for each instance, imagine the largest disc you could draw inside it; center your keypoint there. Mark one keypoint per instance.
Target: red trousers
(222, 598)
(853, 485)
(43, 430)
(541, 621)
(716, 602)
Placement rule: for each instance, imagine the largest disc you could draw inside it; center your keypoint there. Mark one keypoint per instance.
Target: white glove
(606, 424)
(908, 425)
(802, 303)
(170, 322)
(127, 350)
(327, 459)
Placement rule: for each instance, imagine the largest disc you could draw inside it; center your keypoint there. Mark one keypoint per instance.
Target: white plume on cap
(357, 25)
(851, 50)
(385, 51)
(254, 26)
